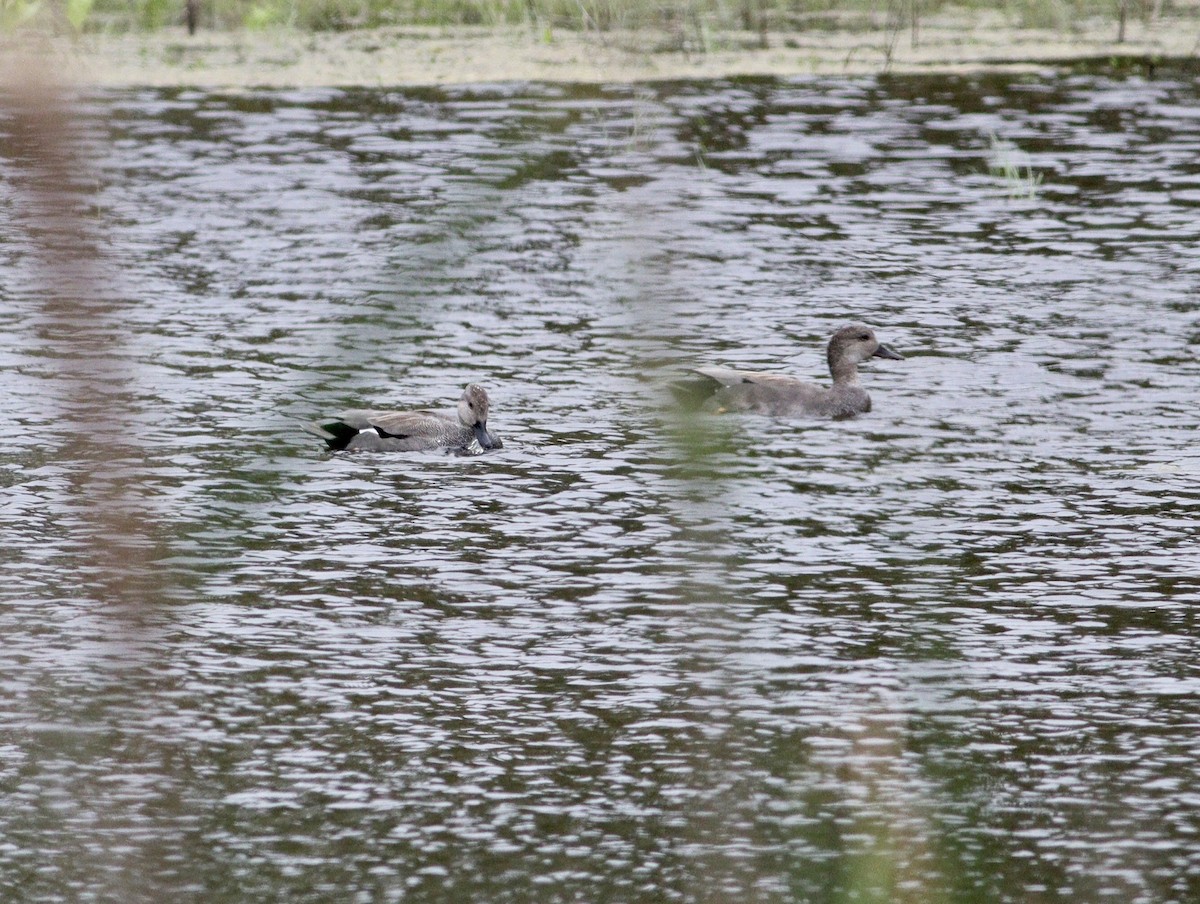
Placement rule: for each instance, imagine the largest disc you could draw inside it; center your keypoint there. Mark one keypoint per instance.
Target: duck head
(473, 414)
(852, 345)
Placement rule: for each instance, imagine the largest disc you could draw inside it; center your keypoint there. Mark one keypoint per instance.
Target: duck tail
(337, 434)
(692, 392)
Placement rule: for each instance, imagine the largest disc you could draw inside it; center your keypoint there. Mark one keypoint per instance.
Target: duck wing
(398, 431)
(724, 376)
(771, 394)
(695, 391)
(403, 424)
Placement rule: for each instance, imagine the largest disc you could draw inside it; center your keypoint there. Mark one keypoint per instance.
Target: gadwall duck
(723, 389)
(412, 431)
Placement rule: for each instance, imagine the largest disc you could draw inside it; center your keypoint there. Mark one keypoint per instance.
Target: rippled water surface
(945, 652)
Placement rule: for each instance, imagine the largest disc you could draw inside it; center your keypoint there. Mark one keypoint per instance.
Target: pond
(943, 652)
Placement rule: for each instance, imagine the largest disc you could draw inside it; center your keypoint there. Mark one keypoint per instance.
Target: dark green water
(946, 652)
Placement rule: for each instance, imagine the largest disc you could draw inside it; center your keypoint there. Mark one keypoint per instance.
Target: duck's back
(778, 395)
(393, 431)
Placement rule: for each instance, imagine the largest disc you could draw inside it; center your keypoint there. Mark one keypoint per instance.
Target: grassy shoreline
(951, 41)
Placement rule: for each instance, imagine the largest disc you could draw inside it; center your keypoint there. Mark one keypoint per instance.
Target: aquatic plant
(1008, 162)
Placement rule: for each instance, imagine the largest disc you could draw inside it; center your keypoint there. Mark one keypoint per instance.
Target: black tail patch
(341, 434)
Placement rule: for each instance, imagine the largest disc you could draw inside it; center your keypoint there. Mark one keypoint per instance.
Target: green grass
(1010, 164)
(589, 15)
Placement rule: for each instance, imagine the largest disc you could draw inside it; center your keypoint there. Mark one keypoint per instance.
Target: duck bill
(884, 352)
(483, 437)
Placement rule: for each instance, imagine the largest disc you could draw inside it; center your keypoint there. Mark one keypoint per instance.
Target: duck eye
(864, 337)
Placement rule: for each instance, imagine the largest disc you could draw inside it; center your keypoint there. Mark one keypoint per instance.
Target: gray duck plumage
(722, 389)
(412, 431)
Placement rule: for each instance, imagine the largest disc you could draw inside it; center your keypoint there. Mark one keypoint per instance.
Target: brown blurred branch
(79, 317)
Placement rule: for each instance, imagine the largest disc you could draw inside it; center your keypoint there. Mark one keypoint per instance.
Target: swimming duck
(722, 389)
(411, 431)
